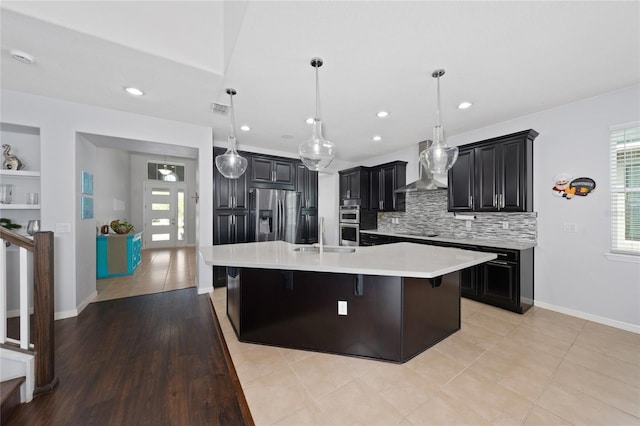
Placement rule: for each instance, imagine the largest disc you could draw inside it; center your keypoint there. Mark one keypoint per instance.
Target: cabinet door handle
(499, 262)
(501, 201)
(470, 200)
(495, 200)
(348, 193)
(381, 205)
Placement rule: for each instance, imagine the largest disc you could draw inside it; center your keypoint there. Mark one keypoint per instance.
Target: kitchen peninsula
(387, 302)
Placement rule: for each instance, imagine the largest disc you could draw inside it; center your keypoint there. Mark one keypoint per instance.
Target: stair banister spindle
(24, 299)
(3, 292)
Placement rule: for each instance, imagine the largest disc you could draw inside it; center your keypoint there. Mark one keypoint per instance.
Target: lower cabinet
(506, 282)
(308, 227)
(230, 227)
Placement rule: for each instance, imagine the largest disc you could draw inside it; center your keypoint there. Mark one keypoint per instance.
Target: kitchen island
(386, 302)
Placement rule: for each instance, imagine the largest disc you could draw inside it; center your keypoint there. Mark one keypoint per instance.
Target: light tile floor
(540, 368)
(160, 270)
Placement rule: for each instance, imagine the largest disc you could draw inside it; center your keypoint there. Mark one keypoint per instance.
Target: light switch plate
(63, 227)
(342, 307)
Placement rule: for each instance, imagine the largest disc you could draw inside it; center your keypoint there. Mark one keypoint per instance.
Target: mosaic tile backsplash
(426, 212)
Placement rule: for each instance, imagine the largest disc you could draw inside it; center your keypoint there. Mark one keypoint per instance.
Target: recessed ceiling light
(134, 91)
(464, 105)
(310, 120)
(377, 138)
(245, 128)
(382, 114)
(21, 56)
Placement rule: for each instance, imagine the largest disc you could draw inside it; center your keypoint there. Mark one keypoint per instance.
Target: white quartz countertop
(512, 245)
(398, 259)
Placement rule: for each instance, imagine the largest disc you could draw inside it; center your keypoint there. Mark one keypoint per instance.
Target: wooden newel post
(43, 307)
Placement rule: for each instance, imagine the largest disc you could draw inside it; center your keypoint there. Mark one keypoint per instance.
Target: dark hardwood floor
(157, 359)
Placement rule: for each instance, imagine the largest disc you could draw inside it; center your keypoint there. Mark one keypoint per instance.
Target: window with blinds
(625, 189)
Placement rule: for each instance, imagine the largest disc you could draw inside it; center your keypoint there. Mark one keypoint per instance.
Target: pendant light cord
(317, 93)
(438, 109)
(232, 122)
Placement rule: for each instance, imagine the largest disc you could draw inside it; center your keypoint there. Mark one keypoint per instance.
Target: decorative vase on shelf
(33, 226)
(6, 192)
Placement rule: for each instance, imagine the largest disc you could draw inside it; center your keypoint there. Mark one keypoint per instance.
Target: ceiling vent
(219, 108)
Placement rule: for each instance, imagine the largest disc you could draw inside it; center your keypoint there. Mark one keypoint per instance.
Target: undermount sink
(312, 249)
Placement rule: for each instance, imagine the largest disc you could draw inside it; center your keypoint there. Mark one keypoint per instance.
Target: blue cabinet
(118, 255)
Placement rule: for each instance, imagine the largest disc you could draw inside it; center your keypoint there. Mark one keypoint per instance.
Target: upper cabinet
(494, 175)
(354, 186)
(307, 186)
(384, 181)
(272, 172)
(229, 193)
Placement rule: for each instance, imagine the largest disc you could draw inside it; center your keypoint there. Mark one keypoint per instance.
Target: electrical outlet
(467, 224)
(63, 227)
(342, 307)
(505, 225)
(570, 227)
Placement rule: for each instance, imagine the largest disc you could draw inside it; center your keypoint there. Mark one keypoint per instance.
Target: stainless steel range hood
(425, 181)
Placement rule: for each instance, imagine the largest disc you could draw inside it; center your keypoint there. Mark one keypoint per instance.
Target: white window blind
(625, 189)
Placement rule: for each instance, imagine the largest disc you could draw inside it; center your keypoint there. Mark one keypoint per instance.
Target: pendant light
(231, 164)
(164, 171)
(317, 152)
(439, 157)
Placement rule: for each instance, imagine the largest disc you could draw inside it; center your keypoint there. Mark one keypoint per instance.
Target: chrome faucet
(321, 233)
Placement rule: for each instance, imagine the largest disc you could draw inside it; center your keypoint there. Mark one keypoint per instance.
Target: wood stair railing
(43, 305)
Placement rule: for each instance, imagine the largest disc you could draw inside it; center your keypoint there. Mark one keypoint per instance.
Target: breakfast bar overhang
(387, 302)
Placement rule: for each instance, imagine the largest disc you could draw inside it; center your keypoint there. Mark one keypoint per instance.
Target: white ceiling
(508, 58)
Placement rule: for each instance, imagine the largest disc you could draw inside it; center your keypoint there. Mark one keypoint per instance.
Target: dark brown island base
(386, 318)
(387, 302)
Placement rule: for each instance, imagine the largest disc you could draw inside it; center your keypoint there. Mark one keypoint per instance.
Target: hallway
(160, 270)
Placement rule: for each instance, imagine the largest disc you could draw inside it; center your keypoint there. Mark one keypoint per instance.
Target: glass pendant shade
(316, 153)
(439, 157)
(231, 164)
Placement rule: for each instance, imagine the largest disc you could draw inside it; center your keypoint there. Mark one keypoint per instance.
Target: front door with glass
(164, 218)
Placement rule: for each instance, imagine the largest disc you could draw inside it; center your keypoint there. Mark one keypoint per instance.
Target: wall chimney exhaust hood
(425, 181)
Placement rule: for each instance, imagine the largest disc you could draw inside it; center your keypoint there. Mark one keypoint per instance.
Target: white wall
(572, 273)
(85, 279)
(59, 121)
(112, 186)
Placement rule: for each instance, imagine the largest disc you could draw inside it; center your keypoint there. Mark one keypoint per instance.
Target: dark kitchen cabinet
(494, 175)
(354, 186)
(272, 172)
(307, 186)
(461, 182)
(308, 227)
(231, 227)
(230, 193)
(384, 180)
(505, 282)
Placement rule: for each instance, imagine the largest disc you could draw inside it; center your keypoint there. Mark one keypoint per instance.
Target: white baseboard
(590, 317)
(75, 312)
(205, 290)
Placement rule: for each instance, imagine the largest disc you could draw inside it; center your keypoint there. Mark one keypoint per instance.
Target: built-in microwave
(349, 234)
(349, 214)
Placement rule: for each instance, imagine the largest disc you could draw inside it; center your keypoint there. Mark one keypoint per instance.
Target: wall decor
(86, 208)
(566, 187)
(87, 183)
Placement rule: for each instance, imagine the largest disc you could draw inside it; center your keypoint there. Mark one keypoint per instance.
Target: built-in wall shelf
(19, 173)
(19, 206)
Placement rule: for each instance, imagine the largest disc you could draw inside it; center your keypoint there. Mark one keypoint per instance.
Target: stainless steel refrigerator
(274, 215)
